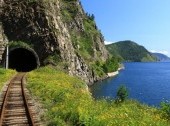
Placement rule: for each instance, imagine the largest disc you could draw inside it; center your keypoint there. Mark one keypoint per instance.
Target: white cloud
(160, 51)
(108, 42)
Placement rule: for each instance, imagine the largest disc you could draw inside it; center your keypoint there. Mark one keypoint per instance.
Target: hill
(130, 51)
(161, 57)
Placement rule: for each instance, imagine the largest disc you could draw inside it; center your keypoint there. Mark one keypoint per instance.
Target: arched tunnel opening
(23, 60)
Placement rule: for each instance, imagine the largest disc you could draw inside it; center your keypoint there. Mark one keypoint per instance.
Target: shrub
(122, 94)
(165, 108)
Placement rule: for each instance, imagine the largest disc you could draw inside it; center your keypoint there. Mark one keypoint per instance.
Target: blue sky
(146, 22)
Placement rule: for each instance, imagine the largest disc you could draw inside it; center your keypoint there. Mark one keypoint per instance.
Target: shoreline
(108, 75)
(113, 74)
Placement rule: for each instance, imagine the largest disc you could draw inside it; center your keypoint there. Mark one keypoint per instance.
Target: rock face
(55, 31)
(3, 39)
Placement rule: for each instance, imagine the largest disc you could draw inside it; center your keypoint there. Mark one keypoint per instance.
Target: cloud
(165, 52)
(108, 42)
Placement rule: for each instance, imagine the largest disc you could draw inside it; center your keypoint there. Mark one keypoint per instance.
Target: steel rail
(29, 115)
(4, 103)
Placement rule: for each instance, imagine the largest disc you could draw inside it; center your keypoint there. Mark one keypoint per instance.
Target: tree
(92, 17)
(122, 94)
(111, 65)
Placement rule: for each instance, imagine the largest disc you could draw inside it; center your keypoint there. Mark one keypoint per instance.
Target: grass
(67, 102)
(5, 75)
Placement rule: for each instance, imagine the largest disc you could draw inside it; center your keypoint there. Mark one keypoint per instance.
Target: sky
(146, 22)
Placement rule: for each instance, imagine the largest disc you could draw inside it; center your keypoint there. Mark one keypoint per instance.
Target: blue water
(148, 83)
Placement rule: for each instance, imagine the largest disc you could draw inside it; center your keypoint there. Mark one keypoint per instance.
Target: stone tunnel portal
(23, 60)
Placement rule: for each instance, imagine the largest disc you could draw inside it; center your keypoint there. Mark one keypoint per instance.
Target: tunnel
(23, 60)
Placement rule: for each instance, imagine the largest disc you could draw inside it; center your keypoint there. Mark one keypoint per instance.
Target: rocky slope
(130, 51)
(59, 32)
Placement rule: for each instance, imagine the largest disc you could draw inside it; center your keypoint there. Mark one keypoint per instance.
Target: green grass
(5, 75)
(67, 102)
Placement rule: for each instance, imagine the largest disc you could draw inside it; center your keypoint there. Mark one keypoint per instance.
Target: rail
(18, 78)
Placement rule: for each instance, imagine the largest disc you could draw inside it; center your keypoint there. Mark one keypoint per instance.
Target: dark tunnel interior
(22, 60)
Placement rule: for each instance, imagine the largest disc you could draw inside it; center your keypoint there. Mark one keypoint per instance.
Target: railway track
(15, 108)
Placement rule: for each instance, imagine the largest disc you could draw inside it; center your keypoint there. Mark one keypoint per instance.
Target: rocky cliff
(3, 39)
(59, 32)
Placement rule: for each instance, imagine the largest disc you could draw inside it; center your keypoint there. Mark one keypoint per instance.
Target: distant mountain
(161, 57)
(130, 51)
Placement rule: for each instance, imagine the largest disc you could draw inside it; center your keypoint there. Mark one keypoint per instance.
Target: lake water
(148, 83)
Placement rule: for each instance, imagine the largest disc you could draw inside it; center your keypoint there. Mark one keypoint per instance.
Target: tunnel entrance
(23, 60)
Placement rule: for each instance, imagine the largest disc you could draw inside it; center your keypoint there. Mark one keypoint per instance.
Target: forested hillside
(130, 51)
(161, 57)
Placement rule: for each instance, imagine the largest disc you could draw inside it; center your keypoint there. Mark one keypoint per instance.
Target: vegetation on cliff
(84, 32)
(86, 37)
(101, 68)
(66, 101)
(130, 51)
